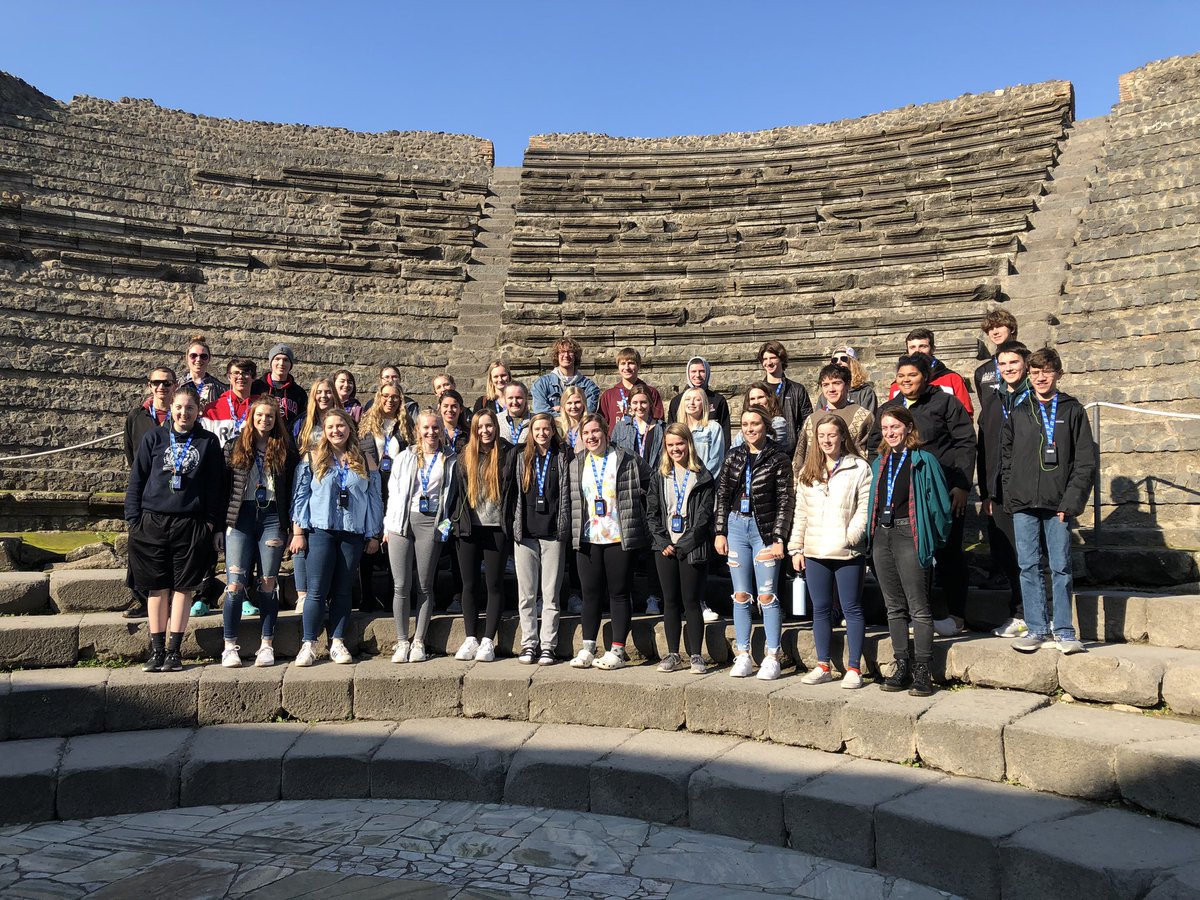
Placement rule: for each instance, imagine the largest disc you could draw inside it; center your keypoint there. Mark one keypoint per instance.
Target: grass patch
(115, 662)
(61, 541)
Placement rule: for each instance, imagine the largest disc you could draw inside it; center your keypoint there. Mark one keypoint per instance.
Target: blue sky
(508, 70)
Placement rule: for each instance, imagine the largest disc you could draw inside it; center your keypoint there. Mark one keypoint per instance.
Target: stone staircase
(477, 335)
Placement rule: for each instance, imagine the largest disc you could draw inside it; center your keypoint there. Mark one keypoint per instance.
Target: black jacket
(1029, 484)
(514, 513)
(991, 423)
(633, 478)
(693, 545)
(203, 466)
(946, 432)
(292, 398)
(772, 493)
(988, 384)
(460, 509)
(235, 485)
(796, 408)
(137, 424)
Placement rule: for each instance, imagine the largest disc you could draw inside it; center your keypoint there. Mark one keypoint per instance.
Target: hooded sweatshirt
(718, 407)
(292, 398)
(201, 465)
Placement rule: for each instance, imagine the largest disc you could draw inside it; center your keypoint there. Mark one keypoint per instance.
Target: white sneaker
(743, 666)
(947, 627)
(851, 680)
(417, 652)
(468, 649)
(583, 659)
(770, 668)
(230, 658)
(265, 657)
(402, 651)
(307, 655)
(339, 654)
(613, 659)
(707, 614)
(817, 676)
(1012, 628)
(486, 651)
(653, 606)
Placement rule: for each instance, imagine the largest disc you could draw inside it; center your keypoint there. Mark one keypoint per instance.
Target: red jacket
(226, 417)
(612, 403)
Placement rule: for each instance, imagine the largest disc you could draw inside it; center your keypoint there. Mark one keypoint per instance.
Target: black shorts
(169, 552)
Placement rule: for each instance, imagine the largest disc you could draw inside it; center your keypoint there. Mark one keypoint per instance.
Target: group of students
(582, 485)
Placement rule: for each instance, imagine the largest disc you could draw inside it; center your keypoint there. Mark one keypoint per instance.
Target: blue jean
(1028, 526)
(257, 535)
(300, 572)
(755, 577)
(841, 580)
(332, 567)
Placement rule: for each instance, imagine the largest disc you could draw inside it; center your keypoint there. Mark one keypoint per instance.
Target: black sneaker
(898, 680)
(155, 661)
(172, 662)
(528, 656)
(546, 658)
(922, 681)
(135, 610)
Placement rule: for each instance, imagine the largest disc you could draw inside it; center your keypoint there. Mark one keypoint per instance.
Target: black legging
(605, 570)
(491, 545)
(682, 592)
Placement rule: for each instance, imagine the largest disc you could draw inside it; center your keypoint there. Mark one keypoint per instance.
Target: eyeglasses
(841, 359)
(240, 375)
(161, 383)
(199, 356)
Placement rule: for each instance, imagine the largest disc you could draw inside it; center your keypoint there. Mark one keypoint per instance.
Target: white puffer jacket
(831, 518)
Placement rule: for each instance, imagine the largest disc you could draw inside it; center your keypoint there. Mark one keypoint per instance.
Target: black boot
(922, 683)
(899, 679)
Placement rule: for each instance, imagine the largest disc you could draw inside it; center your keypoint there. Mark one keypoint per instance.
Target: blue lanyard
(499, 405)
(514, 430)
(747, 474)
(572, 437)
(779, 389)
(262, 474)
(1016, 403)
(680, 493)
(543, 466)
(387, 445)
(179, 457)
(837, 465)
(343, 473)
(199, 385)
(893, 475)
(1048, 421)
(640, 437)
(428, 471)
(237, 423)
(452, 435)
(599, 479)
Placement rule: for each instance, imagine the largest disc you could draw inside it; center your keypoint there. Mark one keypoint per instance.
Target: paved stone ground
(364, 849)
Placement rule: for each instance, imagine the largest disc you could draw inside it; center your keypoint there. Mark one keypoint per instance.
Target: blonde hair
(304, 440)
(482, 466)
(418, 446)
(681, 415)
(372, 422)
(693, 463)
(564, 422)
(815, 470)
(489, 389)
(322, 456)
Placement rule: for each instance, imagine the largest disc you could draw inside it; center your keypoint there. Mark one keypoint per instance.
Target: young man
(514, 423)
(1000, 327)
(698, 373)
(946, 432)
(548, 389)
(920, 340)
(792, 397)
(1047, 463)
(835, 398)
(226, 416)
(1011, 362)
(614, 403)
(279, 384)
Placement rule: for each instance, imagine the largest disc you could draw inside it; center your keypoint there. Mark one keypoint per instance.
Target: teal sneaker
(249, 609)
(200, 608)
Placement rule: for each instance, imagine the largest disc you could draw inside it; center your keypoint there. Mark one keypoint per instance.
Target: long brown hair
(815, 471)
(902, 415)
(244, 450)
(531, 447)
(482, 466)
(322, 457)
(679, 430)
(372, 421)
(304, 441)
(772, 404)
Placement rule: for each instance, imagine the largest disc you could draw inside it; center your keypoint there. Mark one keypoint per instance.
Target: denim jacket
(315, 502)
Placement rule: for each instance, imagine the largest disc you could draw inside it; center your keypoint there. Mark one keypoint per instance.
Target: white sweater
(831, 518)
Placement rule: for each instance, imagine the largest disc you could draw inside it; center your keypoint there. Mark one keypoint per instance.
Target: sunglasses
(200, 356)
(841, 359)
(160, 383)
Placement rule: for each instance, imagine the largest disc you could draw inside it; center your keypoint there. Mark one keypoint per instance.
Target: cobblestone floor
(360, 849)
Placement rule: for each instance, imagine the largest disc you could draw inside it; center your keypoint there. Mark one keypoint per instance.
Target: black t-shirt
(900, 504)
(543, 526)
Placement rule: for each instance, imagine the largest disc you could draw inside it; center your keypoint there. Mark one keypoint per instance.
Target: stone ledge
(23, 592)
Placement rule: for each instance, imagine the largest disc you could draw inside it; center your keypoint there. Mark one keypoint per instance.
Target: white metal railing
(98, 440)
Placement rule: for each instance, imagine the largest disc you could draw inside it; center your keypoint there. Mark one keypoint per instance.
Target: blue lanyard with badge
(237, 422)
(385, 462)
(178, 458)
(343, 476)
(680, 495)
(623, 406)
(428, 503)
(744, 507)
(1049, 449)
(260, 492)
(886, 515)
(639, 438)
(515, 430)
(542, 467)
(1017, 402)
(600, 506)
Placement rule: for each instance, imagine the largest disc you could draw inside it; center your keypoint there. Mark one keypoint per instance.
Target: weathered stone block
(647, 776)
(89, 590)
(834, 815)
(333, 760)
(106, 774)
(240, 695)
(1162, 776)
(1182, 883)
(497, 690)
(323, 693)
(1111, 616)
(236, 763)
(963, 733)
(752, 777)
(109, 636)
(392, 692)
(1173, 621)
(808, 715)
(937, 835)
(992, 662)
(56, 702)
(1071, 749)
(447, 759)
(1106, 854)
(551, 769)
(28, 642)
(23, 592)
(883, 726)
(1117, 673)
(29, 780)
(719, 704)
(633, 697)
(135, 699)
(1181, 688)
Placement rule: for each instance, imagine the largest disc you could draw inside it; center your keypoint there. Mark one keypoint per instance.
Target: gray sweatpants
(426, 547)
(539, 564)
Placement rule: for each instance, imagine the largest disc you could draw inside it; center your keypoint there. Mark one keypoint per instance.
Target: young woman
(415, 527)
(637, 432)
(759, 393)
(481, 484)
(347, 393)
(541, 527)
(680, 513)
(707, 435)
(495, 379)
(829, 540)
(198, 357)
(909, 519)
(337, 515)
(384, 432)
(454, 420)
(322, 397)
(571, 412)
(260, 467)
(174, 505)
(608, 524)
(755, 499)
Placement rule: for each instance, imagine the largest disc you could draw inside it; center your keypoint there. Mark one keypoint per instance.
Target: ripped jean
(753, 577)
(258, 535)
